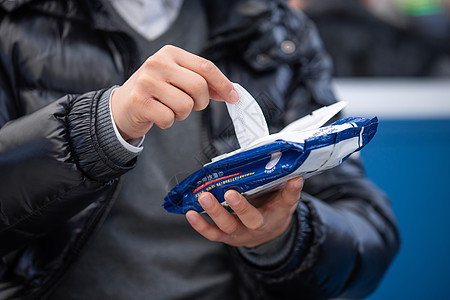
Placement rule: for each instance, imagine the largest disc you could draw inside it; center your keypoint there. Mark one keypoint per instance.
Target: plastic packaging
(268, 161)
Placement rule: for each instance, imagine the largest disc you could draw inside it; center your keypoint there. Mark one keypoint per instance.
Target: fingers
(166, 94)
(250, 216)
(160, 114)
(290, 195)
(209, 231)
(181, 81)
(193, 85)
(228, 228)
(248, 226)
(221, 88)
(223, 219)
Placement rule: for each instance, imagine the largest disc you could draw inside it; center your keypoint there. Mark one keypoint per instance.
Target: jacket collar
(10, 5)
(93, 11)
(220, 13)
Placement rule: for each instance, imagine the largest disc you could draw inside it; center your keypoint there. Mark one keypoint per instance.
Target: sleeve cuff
(115, 147)
(291, 261)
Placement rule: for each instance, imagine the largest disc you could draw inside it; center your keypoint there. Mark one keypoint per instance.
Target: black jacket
(57, 185)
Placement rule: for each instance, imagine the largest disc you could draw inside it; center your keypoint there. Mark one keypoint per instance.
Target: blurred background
(392, 60)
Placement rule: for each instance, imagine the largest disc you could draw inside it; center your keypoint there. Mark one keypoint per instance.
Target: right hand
(167, 88)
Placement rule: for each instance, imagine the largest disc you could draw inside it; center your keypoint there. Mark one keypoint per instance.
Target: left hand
(249, 226)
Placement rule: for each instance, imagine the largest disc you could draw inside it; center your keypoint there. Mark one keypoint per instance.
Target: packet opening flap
(251, 127)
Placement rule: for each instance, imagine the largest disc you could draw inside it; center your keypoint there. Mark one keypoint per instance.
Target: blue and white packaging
(265, 162)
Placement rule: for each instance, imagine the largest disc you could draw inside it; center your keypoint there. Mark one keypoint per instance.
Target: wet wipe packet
(266, 161)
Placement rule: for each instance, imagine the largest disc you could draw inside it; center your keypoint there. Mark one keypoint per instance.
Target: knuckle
(198, 86)
(200, 94)
(214, 237)
(187, 105)
(166, 120)
(201, 228)
(215, 211)
(241, 208)
(167, 48)
(203, 105)
(224, 84)
(157, 64)
(153, 63)
(207, 65)
(165, 126)
(134, 96)
(257, 223)
(183, 109)
(230, 228)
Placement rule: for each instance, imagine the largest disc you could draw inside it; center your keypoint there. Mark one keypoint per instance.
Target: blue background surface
(410, 161)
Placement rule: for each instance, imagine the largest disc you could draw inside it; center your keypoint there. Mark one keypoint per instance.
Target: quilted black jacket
(57, 185)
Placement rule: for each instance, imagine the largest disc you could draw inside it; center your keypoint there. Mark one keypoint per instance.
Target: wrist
(116, 117)
(274, 252)
(109, 139)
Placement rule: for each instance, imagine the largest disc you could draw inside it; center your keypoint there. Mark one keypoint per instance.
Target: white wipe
(248, 119)
(251, 126)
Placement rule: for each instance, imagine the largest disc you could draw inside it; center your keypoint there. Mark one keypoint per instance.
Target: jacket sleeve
(51, 165)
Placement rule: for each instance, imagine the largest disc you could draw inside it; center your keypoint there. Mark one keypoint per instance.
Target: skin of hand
(167, 87)
(249, 225)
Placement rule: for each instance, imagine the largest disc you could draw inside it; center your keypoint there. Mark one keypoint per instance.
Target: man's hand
(167, 88)
(249, 226)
